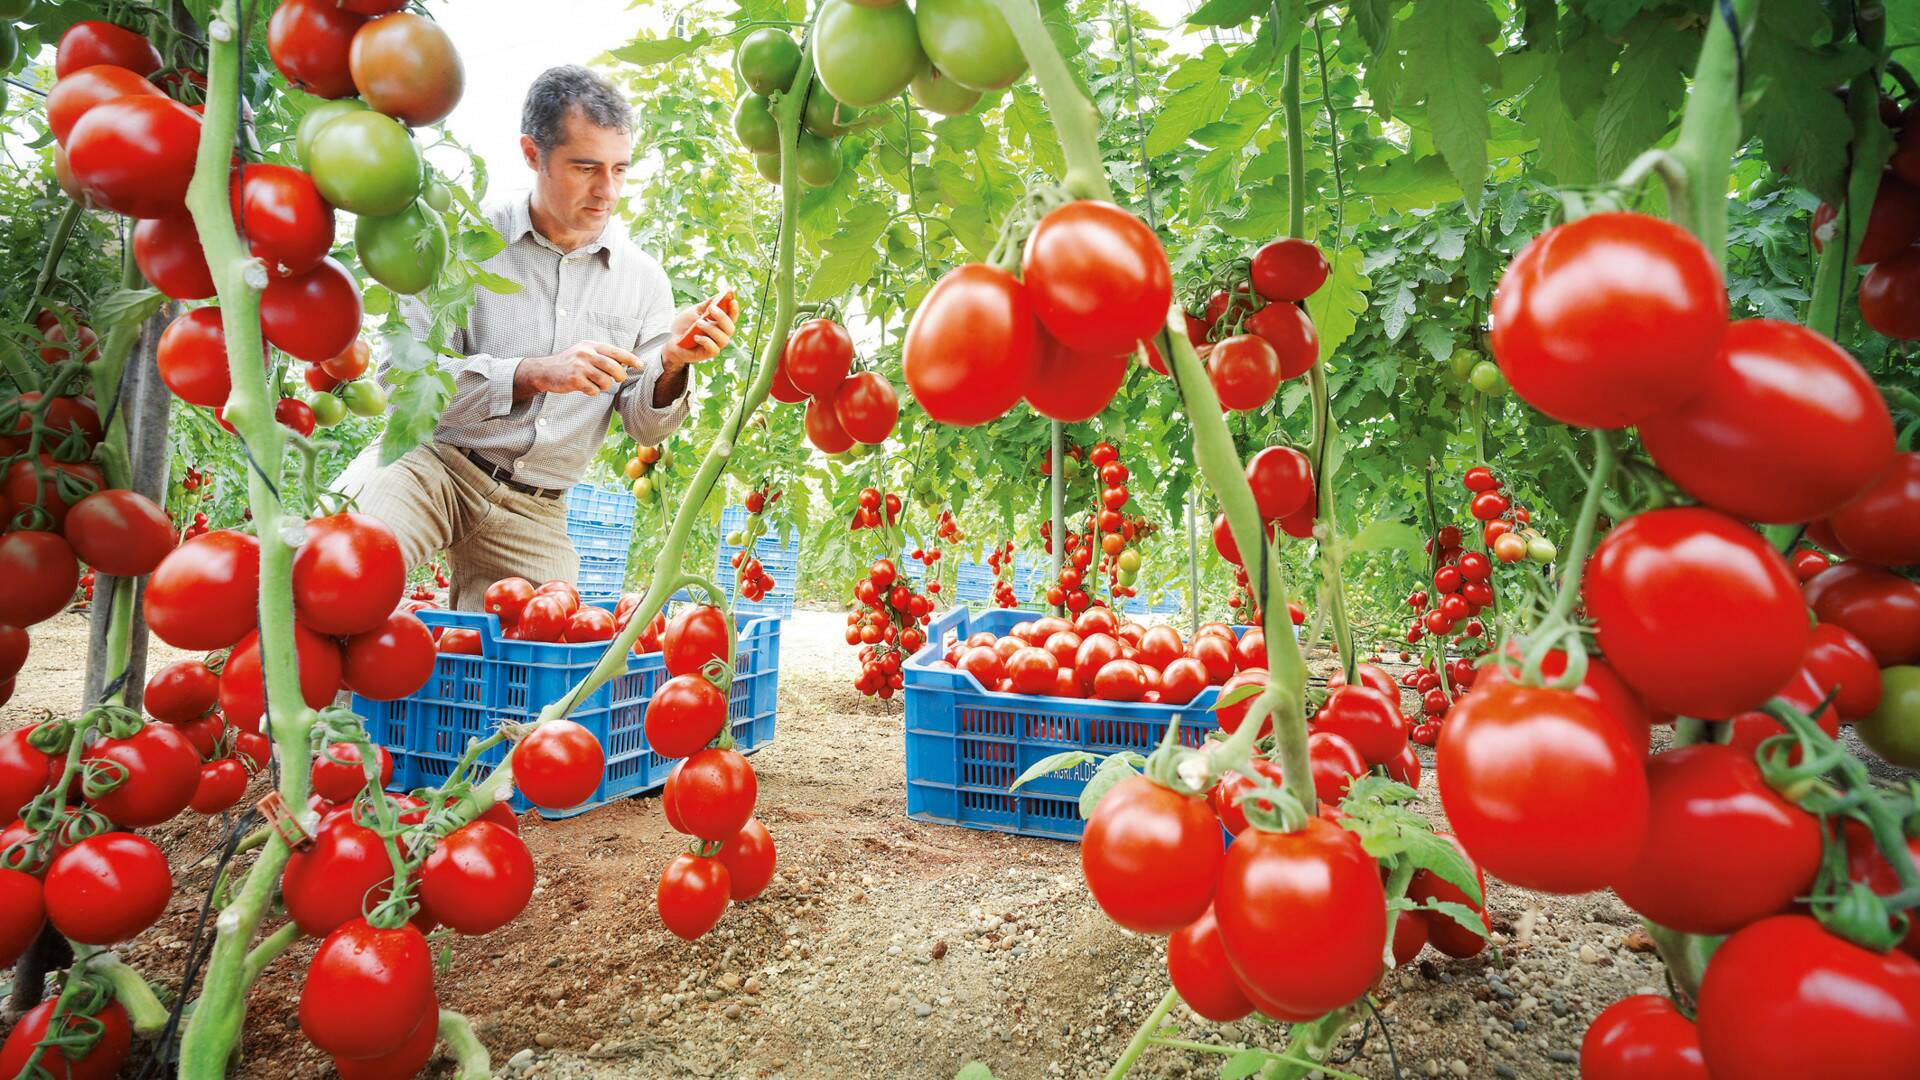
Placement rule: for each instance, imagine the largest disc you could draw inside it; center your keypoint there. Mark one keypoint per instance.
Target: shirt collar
(518, 226)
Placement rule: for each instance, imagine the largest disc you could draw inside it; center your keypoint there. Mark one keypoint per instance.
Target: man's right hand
(589, 367)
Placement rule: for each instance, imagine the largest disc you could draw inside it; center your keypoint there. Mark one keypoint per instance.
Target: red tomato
(159, 770)
(106, 889)
(48, 484)
(22, 913)
(972, 347)
(1892, 224)
(38, 574)
(1409, 936)
(92, 42)
(1520, 770)
(1197, 967)
(1446, 933)
(1783, 997)
(192, 358)
(1890, 293)
(1368, 719)
(694, 637)
(693, 894)
(1215, 654)
(1335, 763)
(1096, 652)
(1303, 917)
(1228, 796)
(478, 879)
(1866, 863)
(590, 624)
(1151, 856)
(286, 223)
(1372, 675)
(866, 408)
(1282, 481)
(220, 785)
(560, 764)
(367, 991)
(1291, 333)
(119, 532)
(1772, 392)
(1096, 620)
(309, 41)
(180, 692)
(134, 155)
(544, 618)
(206, 592)
(685, 714)
(1161, 646)
(823, 427)
(1882, 524)
(505, 598)
(349, 575)
(1842, 664)
(714, 793)
(1880, 608)
(86, 87)
(1032, 670)
(313, 315)
(392, 660)
(339, 776)
(1097, 276)
(1602, 688)
(1727, 849)
(243, 685)
(459, 641)
(1609, 319)
(1288, 269)
(1641, 1036)
(1245, 371)
(295, 415)
(410, 1060)
(1695, 611)
(1119, 680)
(749, 859)
(818, 355)
(103, 1059)
(783, 389)
(331, 883)
(1405, 768)
(1071, 385)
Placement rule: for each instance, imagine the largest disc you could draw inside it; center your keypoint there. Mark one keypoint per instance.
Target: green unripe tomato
(736, 538)
(366, 163)
(970, 41)
(364, 397)
(15, 10)
(1893, 729)
(768, 165)
(666, 458)
(327, 409)
(1127, 576)
(1463, 360)
(1129, 561)
(816, 160)
(9, 46)
(938, 93)
(864, 55)
(767, 60)
(1487, 379)
(824, 116)
(1541, 550)
(318, 117)
(438, 197)
(754, 125)
(643, 488)
(404, 252)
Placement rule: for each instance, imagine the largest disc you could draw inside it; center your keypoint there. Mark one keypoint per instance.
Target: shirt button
(542, 421)
(560, 311)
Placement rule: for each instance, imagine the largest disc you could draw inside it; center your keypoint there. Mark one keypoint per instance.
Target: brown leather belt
(505, 476)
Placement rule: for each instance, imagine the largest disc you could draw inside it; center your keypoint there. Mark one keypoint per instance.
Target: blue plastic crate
(601, 578)
(965, 744)
(468, 696)
(591, 504)
(600, 541)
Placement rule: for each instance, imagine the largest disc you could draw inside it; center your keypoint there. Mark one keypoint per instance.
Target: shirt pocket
(621, 330)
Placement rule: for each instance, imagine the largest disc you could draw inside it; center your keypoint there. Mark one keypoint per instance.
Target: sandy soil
(885, 947)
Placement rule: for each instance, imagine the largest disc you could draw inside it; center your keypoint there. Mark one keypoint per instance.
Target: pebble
(1457, 1067)
(1562, 1056)
(753, 984)
(520, 1060)
(1504, 1071)
(733, 1011)
(1590, 955)
(923, 1010)
(729, 982)
(546, 1040)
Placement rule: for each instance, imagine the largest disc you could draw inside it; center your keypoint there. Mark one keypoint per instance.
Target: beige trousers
(434, 499)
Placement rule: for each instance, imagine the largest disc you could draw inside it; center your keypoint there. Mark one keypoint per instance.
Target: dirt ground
(885, 947)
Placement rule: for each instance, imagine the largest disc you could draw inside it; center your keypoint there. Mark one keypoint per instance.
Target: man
(591, 332)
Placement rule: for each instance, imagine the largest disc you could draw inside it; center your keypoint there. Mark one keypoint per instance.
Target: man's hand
(590, 367)
(712, 331)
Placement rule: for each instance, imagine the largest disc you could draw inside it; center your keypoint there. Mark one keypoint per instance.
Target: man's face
(580, 182)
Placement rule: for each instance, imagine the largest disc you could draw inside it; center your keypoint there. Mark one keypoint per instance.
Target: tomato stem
(1143, 1036)
(469, 1053)
(1557, 629)
(144, 1011)
(262, 956)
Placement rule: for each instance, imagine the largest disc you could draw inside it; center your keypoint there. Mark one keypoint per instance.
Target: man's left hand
(712, 329)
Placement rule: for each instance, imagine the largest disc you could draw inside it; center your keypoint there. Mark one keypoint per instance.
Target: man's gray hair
(558, 89)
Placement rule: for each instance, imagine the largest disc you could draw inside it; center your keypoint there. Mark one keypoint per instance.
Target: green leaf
(1802, 125)
(1243, 1064)
(1613, 15)
(1450, 64)
(849, 256)
(1111, 771)
(1199, 96)
(1436, 337)
(419, 397)
(1227, 12)
(1406, 184)
(1566, 142)
(1637, 106)
(645, 52)
(1029, 125)
(126, 305)
(1238, 694)
(1374, 20)
(494, 283)
(1458, 912)
(1066, 761)
(1337, 306)
(1383, 535)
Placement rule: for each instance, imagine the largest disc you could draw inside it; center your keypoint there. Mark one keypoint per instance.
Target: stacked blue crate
(600, 526)
(782, 563)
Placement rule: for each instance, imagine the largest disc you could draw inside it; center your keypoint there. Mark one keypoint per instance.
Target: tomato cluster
(767, 62)
(843, 408)
(754, 580)
(551, 612)
(1001, 561)
(1890, 291)
(875, 509)
(1097, 655)
(889, 623)
(640, 467)
(1094, 285)
(710, 794)
(1253, 332)
(1109, 530)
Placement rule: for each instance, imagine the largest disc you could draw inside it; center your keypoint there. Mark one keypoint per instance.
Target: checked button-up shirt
(608, 291)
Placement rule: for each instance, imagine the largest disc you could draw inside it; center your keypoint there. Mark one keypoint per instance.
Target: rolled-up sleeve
(645, 422)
